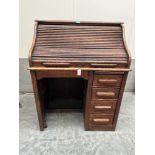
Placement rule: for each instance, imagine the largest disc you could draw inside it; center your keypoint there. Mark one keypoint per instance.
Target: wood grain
(60, 48)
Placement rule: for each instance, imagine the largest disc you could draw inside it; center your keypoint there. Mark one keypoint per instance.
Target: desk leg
(40, 111)
(119, 100)
(88, 100)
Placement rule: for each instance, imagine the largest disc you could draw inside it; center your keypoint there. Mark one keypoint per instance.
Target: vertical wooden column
(119, 100)
(88, 100)
(39, 105)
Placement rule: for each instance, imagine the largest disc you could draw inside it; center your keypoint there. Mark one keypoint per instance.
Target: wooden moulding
(33, 44)
(125, 45)
(121, 91)
(77, 22)
(73, 68)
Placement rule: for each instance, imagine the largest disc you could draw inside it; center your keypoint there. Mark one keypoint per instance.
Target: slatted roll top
(79, 37)
(78, 41)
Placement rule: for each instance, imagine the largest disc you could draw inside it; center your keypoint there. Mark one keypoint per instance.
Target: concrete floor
(65, 134)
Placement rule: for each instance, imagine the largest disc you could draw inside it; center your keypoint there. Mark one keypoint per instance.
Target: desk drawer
(107, 80)
(105, 93)
(100, 119)
(60, 73)
(103, 106)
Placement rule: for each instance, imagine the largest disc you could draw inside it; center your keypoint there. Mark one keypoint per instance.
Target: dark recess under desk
(62, 94)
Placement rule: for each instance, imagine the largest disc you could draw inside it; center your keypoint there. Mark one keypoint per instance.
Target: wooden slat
(78, 41)
(78, 33)
(79, 59)
(85, 33)
(82, 36)
(41, 52)
(79, 37)
(103, 27)
(82, 47)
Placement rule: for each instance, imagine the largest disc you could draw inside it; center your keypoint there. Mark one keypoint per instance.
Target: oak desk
(79, 66)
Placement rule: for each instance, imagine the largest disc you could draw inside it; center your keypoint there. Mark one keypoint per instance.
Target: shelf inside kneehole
(63, 94)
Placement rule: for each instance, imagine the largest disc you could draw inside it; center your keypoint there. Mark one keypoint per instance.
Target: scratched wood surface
(60, 48)
(79, 42)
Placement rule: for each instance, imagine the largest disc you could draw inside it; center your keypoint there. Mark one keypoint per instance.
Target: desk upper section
(78, 42)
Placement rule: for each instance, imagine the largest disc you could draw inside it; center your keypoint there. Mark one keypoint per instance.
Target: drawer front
(60, 74)
(103, 106)
(105, 93)
(100, 119)
(107, 80)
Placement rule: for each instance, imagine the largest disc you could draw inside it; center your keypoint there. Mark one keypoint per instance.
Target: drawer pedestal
(106, 94)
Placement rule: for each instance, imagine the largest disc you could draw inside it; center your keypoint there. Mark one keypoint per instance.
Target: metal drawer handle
(48, 64)
(102, 107)
(107, 80)
(101, 120)
(105, 94)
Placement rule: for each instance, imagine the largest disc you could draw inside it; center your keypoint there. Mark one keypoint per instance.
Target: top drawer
(107, 80)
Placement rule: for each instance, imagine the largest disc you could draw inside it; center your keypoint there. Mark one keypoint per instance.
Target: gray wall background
(25, 84)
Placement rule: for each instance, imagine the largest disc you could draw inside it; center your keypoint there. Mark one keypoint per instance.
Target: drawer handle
(101, 120)
(105, 94)
(104, 65)
(102, 107)
(48, 64)
(107, 80)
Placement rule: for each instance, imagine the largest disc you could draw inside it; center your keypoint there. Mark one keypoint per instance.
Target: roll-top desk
(79, 66)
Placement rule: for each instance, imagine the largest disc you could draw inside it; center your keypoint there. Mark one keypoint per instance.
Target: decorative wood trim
(79, 22)
(104, 65)
(56, 61)
(125, 45)
(74, 68)
(33, 44)
(119, 100)
(49, 64)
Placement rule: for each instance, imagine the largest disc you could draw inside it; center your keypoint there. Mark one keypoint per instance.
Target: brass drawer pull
(48, 64)
(102, 107)
(103, 65)
(101, 120)
(107, 80)
(100, 94)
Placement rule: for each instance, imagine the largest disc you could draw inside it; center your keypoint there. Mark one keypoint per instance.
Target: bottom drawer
(100, 119)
